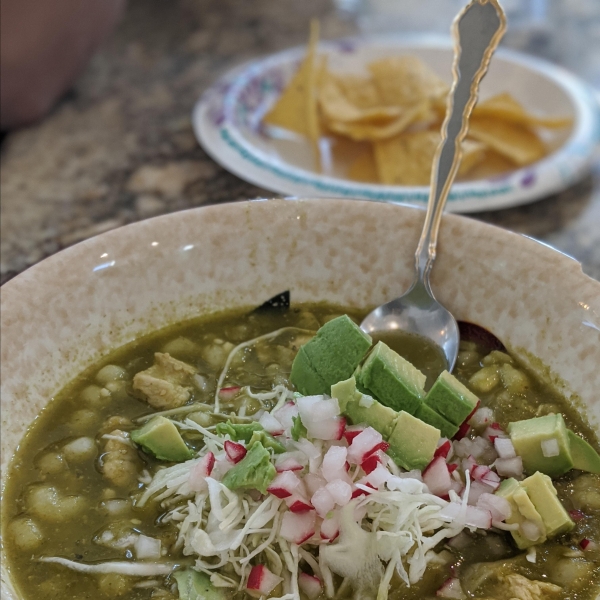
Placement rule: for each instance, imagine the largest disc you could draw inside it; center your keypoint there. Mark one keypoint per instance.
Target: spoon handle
(477, 30)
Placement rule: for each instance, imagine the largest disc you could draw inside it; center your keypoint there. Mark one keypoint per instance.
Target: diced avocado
(527, 437)
(298, 430)
(429, 416)
(255, 471)
(522, 510)
(451, 399)
(267, 440)
(307, 381)
(412, 442)
(161, 438)
(542, 493)
(585, 458)
(392, 379)
(360, 408)
(193, 585)
(337, 349)
(239, 431)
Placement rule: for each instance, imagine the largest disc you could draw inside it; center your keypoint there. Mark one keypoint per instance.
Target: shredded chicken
(518, 587)
(120, 463)
(167, 383)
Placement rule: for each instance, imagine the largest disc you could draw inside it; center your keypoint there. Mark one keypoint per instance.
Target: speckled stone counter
(120, 147)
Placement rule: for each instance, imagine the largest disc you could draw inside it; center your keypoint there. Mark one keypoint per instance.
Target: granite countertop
(120, 147)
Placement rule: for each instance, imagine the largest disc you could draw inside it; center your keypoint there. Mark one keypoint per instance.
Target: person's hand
(44, 44)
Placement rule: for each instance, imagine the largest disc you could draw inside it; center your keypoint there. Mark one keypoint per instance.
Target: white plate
(227, 122)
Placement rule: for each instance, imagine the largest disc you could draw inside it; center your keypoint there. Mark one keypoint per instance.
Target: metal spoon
(476, 31)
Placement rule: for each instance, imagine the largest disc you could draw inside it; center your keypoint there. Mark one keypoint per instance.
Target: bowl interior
(63, 314)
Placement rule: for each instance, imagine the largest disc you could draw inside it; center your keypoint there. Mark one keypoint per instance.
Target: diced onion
(550, 448)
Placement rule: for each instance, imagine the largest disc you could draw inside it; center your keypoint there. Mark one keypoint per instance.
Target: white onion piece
(550, 448)
(504, 448)
(510, 467)
(498, 506)
(482, 417)
(147, 547)
(271, 424)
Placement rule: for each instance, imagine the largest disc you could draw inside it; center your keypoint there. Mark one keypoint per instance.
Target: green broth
(75, 413)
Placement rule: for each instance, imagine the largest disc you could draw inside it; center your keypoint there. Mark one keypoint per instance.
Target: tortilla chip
(505, 107)
(296, 108)
(375, 131)
(515, 142)
(492, 165)
(406, 81)
(407, 158)
(364, 168)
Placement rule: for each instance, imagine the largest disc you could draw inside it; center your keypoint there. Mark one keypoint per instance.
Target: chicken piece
(120, 461)
(517, 587)
(116, 422)
(167, 383)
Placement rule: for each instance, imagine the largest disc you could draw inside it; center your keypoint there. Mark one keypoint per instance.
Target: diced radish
(352, 432)
(334, 463)
(340, 491)
(497, 505)
(235, 452)
(493, 433)
(221, 467)
(370, 464)
(298, 505)
(504, 448)
(261, 582)
(308, 449)
(271, 424)
(469, 463)
(481, 418)
(286, 414)
(476, 490)
(457, 486)
(363, 444)
(470, 415)
(474, 516)
(310, 585)
(485, 475)
(437, 477)
(463, 430)
(587, 545)
(509, 467)
(377, 477)
(198, 474)
(298, 527)
(289, 461)
(452, 467)
(313, 482)
(284, 484)
(323, 501)
(330, 527)
(320, 417)
(443, 450)
(229, 393)
(451, 589)
(550, 447)
(381, 447)
(576, 515)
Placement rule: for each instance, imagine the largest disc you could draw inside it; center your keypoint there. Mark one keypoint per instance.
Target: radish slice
(284, 485)
(198, 474)
(451, 589)
(443, 449)
(576, 515)
(235, 452)
(340, 491)
(485, 475)
(504, 448)
(437, 477)
(351, 432)
(320, 417)
(370, 464)
(229, 393)
(481, 418)
(297, 504)
(476, 490)
(365, 443)
(510, 467)
(334, 463)
(271, 424)
(313, 482)
(323, 501)
(310, 585)
(261, 582)
(587, 545)
(298, 527)
(462, 431)
(289, 461)
(286, 414)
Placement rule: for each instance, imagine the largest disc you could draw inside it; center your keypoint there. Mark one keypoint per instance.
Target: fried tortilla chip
(515, 142)
(407, 158)
(492, 165)
(363, 168)
(406, 81)
(505, 107)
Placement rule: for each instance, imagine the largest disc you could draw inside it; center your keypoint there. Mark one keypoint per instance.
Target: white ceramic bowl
(227, 123)
(64, 313)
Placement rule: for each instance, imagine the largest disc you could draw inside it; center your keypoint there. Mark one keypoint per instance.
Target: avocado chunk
(392, 379)
(267, 440)
(193, 585)
(255, 471)
(543, 495)
(585, 458)
(360, 408)
(161, 438)
(239, 431)
(412, 442)
(528, 438)
(523, 511)
(451, 399)
(307, 381)
(337, 349)
(429, 416)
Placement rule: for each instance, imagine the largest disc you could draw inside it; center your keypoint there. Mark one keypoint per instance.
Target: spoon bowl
(477, 31)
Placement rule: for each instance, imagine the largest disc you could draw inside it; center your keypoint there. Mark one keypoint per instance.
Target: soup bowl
(63, 314)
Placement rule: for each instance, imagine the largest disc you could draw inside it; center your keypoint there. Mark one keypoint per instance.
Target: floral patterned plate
(227, 122)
